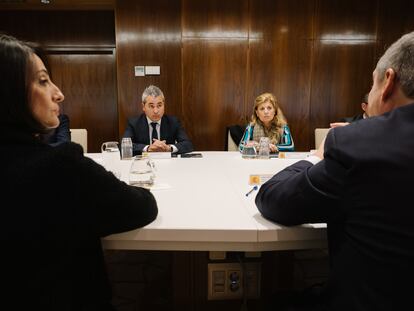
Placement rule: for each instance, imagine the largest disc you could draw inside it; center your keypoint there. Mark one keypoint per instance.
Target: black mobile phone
(192, 155)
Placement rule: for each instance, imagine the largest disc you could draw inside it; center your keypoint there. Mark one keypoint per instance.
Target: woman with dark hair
(60, 203)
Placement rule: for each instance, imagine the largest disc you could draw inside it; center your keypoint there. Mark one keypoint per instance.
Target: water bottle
(264, 148)
(126, 148)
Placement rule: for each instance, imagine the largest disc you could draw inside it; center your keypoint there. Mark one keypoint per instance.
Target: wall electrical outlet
(226, 280)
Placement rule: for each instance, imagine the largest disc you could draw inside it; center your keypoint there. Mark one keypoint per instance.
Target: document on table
(259, 179)
(293, 155)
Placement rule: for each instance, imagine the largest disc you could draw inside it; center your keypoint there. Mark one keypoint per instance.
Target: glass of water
(141, 173)
(249, 150)
(111, 157)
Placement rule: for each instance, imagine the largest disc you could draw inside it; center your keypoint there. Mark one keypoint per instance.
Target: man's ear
(143, 106)
(389, 84)
(364, 106)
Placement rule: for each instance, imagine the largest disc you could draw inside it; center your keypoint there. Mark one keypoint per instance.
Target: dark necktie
(154, 131)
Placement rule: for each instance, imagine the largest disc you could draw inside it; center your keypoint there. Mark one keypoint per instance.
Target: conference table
(203, 206)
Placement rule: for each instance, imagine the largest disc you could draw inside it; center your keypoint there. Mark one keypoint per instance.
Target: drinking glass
(111, 157)
(141, 173)
(249, 150)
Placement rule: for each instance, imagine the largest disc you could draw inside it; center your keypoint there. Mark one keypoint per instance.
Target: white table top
(203, 207)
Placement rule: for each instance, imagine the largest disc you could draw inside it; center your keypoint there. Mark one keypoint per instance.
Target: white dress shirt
(158, 128)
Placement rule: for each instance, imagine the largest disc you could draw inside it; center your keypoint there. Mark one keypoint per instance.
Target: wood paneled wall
(88, 82)
(216, 56)
(70, 29)
(148, 33)
(316, 56)
(81, 47)
(281, 52)
(57, 5)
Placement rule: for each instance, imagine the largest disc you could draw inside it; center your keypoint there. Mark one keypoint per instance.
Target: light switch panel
(152, 70)
(139, 71)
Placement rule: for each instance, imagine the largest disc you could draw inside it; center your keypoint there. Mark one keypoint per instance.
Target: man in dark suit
(153, 131)
(364, 115)
(360, 182)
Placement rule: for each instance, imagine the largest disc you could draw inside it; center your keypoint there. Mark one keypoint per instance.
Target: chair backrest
(231, 145)
(80, 136)
(234, 134)
(320, 134)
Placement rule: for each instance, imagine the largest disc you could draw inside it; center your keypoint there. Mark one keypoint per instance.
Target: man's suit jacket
(352, 119)
(364, 191)
(171, 131)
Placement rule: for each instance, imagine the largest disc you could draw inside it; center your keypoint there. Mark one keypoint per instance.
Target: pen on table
(253, 189)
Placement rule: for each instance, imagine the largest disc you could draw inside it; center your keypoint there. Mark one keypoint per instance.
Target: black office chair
(234, 134)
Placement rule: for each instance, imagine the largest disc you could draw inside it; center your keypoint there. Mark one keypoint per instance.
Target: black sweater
(56, 205)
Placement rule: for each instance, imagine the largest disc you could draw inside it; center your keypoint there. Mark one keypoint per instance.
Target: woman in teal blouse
(268, 121)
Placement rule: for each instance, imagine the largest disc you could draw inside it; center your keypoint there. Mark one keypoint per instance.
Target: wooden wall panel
(286, 74)
(88, 83)
(84, 67)
(281, 19)
(214, 64)
(344, 57)
(393, 22)
(58, 5)
(148, 33)
(280, 60)
(315, 55)
(214, 81)
(61, 28)
(346, 20)
(341, 76)
(279, 57)
(215, 19)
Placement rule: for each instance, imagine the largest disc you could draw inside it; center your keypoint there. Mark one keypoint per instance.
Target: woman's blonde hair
(278, 121)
